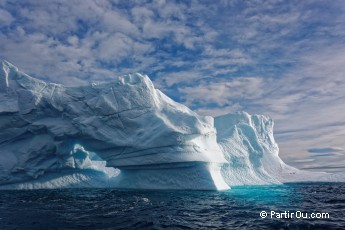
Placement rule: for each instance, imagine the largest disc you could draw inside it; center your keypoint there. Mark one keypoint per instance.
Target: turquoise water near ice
(238, 208)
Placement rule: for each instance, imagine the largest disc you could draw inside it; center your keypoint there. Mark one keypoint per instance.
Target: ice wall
(248, 144)
(128, 123)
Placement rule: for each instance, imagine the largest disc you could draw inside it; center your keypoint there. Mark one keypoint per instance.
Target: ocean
(288, 206)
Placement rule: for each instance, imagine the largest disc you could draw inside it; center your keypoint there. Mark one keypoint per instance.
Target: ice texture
(127, 134)
(248, 145)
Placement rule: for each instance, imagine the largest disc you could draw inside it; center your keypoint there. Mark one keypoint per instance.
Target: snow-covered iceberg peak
(154, 141)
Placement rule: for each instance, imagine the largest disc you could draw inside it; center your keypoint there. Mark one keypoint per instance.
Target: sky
(280, 58)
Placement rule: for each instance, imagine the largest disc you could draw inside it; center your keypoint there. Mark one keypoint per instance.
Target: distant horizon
(284, 59)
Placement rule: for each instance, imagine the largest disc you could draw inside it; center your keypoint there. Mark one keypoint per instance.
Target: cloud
(120, 37)
(5, 17)
(216, 111)
(224, 91)
(304, 160)
(326, 150)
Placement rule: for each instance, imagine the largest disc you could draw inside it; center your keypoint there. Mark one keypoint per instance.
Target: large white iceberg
(154, 141)
(126, 134)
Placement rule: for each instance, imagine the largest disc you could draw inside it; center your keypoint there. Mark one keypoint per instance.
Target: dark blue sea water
(238, 208)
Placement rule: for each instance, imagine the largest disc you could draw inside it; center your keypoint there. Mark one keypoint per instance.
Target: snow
(127, 134)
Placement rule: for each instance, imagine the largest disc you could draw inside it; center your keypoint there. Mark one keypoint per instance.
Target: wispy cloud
(326, 150)
(221, 92)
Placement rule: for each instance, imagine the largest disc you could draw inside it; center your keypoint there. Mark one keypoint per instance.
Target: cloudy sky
(284, 59)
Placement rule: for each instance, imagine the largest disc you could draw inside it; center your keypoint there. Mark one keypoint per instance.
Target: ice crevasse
(126, 134)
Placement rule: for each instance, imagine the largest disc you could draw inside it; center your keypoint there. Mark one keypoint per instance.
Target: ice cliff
(248, 145)
(154, 141)
(125, 134)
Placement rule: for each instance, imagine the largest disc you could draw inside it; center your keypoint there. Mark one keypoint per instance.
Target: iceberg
(155, 142)
(127, 134)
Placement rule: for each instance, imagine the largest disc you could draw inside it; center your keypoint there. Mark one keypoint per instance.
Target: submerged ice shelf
(126, 134)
